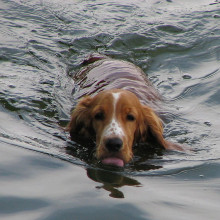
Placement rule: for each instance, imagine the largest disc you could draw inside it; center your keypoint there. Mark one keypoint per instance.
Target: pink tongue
(113, 161)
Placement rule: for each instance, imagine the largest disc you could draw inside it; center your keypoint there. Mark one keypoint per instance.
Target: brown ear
(151, 128)
(80, 122)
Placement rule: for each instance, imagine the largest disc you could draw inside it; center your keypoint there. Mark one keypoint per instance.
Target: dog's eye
(99, 116)
(130, 117)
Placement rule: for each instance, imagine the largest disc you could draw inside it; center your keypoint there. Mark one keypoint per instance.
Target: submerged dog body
(117, 110)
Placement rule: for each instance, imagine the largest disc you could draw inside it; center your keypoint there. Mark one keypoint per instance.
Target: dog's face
(116, 119)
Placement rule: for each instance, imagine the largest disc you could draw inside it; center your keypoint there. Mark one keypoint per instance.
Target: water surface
(46, 176)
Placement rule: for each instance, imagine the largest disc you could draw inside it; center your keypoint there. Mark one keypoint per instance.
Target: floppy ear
(151, 130)
(80, 125)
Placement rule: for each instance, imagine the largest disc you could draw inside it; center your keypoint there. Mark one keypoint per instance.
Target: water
(43, 175)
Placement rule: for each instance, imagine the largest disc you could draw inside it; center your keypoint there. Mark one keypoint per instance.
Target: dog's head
(116, 120)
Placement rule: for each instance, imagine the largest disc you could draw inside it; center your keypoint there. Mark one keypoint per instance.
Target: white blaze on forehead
(114, 128)
(116, 97)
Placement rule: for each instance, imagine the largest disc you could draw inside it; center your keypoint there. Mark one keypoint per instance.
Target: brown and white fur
(116, 108)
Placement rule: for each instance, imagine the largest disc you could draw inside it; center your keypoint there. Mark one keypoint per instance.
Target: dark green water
(45, 176)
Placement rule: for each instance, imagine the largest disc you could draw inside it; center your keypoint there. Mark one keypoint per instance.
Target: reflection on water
(113, 178)
(111, 181)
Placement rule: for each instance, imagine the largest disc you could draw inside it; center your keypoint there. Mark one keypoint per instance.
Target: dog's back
(104, 73)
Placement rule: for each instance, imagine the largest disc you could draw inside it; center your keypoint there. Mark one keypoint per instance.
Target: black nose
(113, 144)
